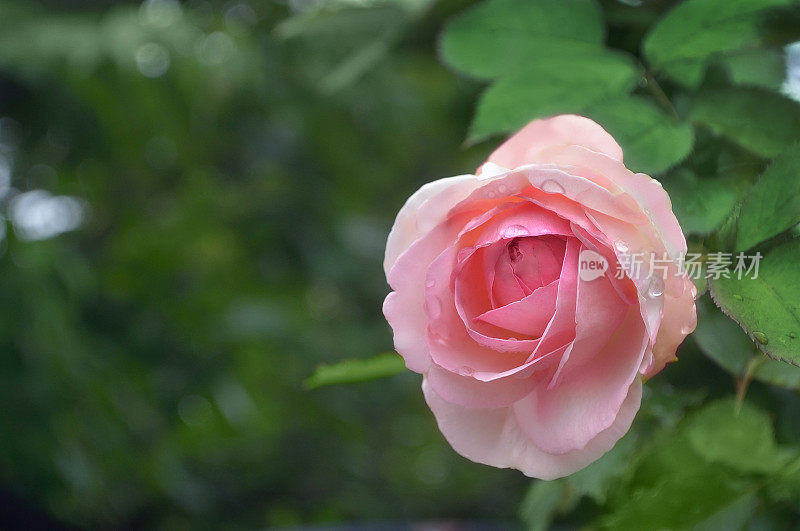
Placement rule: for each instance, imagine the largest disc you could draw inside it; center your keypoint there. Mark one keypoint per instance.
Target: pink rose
(532, 355)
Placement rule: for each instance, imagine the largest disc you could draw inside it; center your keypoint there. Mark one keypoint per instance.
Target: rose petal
(494, 437)
(680, 319)
(469, 392)
(566, 418)
(566, 129)
(425, 209)
(404, 307)
(528, 316)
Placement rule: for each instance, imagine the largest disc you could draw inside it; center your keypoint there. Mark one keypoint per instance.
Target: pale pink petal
(587, 401)
(599, 313)
(566, 129)
(494, 437)
(448, 340)
(506, 287)
(561, 328)
(537, 261)
(528, 316)
(404, 308)
(647, 192)
(425, 209)
(680, 319)
(560, 181)
(523, 219)
(464, 390)
(471, 300)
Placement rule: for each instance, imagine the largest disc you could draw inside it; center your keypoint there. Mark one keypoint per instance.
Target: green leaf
(737, 435)
(773, 203)
(735, 515)
(497, 36)
(767, 307)
(694, 475)
(596, 479)
(763, 67)
(544, 501)
(651, 141)
(676, 489)
(759, 120)
(336, 45)
(725, 343)
(696, 31)
(355, 371)
(544, 87)
(547, 499)
(701, 205)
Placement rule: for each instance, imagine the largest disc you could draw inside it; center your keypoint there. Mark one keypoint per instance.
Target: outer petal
(680, 319)
(647, 192)
(424, 210)
(469, 392)
(566, 129)
(493, 436)
(404, 308)
(595, 382)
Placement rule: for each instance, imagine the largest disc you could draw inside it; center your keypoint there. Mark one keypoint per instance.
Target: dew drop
(515, 231)
(491, 195)
(502, 188)
(464, 253)
(656, 288)
(737, 297)
(761, 337)
(694, 291)
(438, 338)
(430, 283)
(621, 247)
(466, 371)
(552, 187)
(689, 327)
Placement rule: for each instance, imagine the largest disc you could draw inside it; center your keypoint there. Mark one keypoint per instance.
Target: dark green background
(236, 209)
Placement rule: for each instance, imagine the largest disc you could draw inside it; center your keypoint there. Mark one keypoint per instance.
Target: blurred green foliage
(236, 208)
(197, 201)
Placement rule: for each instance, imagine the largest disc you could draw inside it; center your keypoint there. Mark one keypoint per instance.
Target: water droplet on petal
(464, 253)
(737, 297)
(621, 247)
(694, 291)
(515, 231)
(491, 195)
(430, 283)
(466, 371)
(434, 307)
(438, 338)
(689, 327)
(502, 188)
(552, 187)
(656, 287)
(761, 337)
